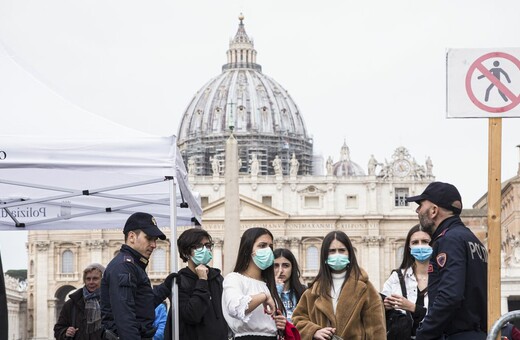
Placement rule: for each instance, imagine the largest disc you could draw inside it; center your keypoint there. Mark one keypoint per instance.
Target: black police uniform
(457, 285)
(128, 300)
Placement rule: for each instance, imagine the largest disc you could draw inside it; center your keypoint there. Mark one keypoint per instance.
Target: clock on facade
(402, 167)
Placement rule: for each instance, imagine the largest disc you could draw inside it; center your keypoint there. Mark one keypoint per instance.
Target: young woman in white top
(250, 303)
(414, 267)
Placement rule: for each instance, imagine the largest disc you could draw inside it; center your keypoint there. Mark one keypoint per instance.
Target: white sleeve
(234, 301)
(389, 287)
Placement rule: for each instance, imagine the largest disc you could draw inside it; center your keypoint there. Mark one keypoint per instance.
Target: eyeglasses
(208, 246)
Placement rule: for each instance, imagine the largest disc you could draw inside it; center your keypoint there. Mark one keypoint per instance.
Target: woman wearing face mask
(200, 290)
(251, 305)
(341, 303)
(287, 275)
(414, 267)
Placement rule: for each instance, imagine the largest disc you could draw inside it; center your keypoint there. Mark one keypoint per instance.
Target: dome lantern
(241, 52)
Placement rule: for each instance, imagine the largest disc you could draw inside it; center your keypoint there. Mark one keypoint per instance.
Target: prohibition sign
(477, 65)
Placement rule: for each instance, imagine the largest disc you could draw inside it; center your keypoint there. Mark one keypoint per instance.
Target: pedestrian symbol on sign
(495, 71)
(486, 73)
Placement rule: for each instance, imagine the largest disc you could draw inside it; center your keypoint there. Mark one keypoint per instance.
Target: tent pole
(4, 320)
(173, 258)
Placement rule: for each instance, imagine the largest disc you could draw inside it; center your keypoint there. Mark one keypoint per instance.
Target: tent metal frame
(70, 193)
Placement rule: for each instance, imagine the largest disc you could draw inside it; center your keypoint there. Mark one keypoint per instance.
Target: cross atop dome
(241, 52)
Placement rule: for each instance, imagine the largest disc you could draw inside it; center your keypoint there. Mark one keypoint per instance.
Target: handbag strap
(401, 281)
(403, 287)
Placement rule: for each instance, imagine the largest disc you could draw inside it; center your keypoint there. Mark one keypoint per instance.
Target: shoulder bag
(399, 325)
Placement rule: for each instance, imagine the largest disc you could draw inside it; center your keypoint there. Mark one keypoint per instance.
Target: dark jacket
(128, 300)
(74, 308)
(200, 307)
(457, 282)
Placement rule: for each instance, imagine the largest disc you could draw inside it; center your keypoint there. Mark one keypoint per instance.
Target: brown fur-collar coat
(359, 313)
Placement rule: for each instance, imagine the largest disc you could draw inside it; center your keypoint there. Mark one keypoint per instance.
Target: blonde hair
(91, 267)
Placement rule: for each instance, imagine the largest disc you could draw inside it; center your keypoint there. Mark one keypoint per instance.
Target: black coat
(128, 300)
(200, 307)
(74, 306)
(457, 282)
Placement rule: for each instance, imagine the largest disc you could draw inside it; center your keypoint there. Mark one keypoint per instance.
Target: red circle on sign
(469, 90)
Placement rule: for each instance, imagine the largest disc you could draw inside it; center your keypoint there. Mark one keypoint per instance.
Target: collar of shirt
(138, 258)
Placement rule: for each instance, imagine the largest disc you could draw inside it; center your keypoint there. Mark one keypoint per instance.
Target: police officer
(128, 300)
(457, 272)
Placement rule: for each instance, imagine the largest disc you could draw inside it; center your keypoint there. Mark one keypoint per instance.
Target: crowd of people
(439, 291)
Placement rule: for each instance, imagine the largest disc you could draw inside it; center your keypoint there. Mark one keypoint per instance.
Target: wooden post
(494, 218)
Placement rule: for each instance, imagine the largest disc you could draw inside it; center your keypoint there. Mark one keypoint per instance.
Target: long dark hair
(244, 258)
(408, 259)
(324, 277)
(294, 281)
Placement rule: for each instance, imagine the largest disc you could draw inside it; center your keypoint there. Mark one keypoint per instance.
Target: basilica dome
(346, 167)
(264, 118)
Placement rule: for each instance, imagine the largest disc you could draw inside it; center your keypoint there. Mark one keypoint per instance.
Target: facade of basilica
(282, 186)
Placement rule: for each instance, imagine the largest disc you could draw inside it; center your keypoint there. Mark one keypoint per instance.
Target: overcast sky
(372, 73)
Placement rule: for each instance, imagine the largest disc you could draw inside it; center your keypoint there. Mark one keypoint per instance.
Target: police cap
(144, 222)
(444, 195)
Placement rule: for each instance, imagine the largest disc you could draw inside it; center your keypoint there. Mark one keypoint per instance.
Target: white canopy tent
(57, 183)
(65, 168)
(65, 158)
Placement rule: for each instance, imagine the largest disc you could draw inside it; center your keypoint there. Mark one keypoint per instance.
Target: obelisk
(232, 205)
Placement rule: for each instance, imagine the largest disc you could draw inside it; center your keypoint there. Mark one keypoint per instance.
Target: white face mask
(263, 258)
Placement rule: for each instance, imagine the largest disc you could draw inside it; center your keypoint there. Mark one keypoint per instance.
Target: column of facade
(294, 247)
(51, 312)
(95, 251)
(41, 312)
(329, 198)
(372, 197)
(217, 253)
(374, 242)
(280, 242)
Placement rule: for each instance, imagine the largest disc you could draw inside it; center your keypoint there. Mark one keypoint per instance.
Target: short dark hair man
(128, 300)
(457, 273)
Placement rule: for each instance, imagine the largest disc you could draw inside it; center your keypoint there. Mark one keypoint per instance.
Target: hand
(277, 278)
(387, 303)
(71, 331)
(202, 271)
(324, 333)
(169, 279)
(399, 302)
(280, 320)
(277, 273)
(269, 305)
